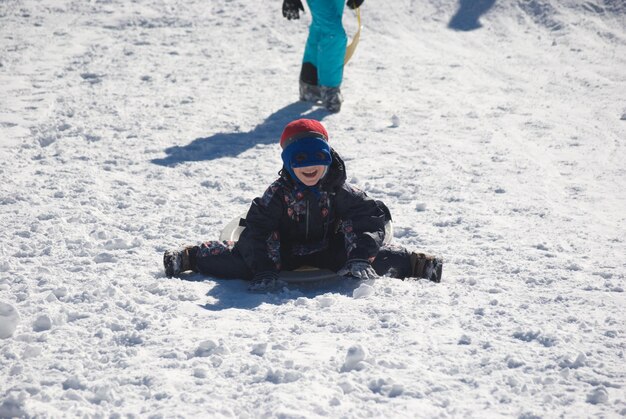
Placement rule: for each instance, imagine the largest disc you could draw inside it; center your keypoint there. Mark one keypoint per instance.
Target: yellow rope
(355, 40)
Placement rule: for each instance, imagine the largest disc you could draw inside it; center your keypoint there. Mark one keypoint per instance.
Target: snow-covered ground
(127, 128)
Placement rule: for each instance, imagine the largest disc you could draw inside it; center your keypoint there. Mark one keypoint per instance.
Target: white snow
(9, 319)
(363, 291)
(42, 323)
(128, 128)
(354, 358)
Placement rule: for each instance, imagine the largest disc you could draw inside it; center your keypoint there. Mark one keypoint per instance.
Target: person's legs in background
(322, 65)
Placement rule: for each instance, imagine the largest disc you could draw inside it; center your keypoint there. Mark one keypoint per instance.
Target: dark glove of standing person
(291, 8)
(353, 4)
(358, 268)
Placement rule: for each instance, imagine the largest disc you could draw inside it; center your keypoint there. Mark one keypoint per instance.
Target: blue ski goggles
(307, 152)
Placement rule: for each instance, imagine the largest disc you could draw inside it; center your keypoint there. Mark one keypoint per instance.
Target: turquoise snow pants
(326, 45)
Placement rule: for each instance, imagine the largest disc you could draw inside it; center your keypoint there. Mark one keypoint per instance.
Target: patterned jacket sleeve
(259, 243)
(362, 222)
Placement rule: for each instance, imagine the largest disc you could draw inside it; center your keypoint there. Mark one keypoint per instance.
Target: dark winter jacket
(291, 220)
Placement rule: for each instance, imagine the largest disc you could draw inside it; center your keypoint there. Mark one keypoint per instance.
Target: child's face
(310, 175)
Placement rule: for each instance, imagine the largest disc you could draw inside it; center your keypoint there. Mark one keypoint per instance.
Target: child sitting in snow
(309, 216)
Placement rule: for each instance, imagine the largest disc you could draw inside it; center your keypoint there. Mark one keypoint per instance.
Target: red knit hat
(302, 128)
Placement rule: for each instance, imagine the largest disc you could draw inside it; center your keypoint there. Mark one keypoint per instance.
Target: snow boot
(176, 261)
(426, 266)
(309, 92)
(331, 98)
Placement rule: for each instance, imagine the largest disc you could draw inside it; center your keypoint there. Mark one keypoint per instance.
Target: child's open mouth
(310, 174)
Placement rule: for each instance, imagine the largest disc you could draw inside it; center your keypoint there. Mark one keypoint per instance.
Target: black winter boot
(331, 98)
(309, 88)
(176, 261)
(309, 92)
(426, 266)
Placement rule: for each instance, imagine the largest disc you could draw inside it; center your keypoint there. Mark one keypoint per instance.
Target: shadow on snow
(233, 293)
(467, 17)
(232, 144)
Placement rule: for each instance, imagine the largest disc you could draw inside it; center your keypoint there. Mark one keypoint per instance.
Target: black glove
(358, 268)
(291, 7)
(353, 4)
(265, 281)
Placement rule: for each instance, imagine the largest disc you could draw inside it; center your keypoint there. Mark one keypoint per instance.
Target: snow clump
(354, 358)
(42, 323)
(363, 291)
(9, 318)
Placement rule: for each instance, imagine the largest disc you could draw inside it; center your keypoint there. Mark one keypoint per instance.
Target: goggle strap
(299, 136)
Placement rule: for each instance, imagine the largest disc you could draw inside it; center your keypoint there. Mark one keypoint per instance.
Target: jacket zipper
(307, 220)
(327, 222)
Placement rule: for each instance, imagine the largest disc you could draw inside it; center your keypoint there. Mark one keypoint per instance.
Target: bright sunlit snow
(495, 131)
